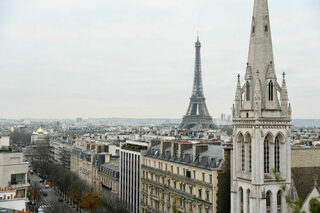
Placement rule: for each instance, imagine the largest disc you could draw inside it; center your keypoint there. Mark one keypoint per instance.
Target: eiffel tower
(197, 115)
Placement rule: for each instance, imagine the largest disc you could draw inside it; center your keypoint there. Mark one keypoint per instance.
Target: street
(50, 202)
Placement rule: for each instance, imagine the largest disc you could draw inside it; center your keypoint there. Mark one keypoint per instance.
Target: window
(200, 193)
(168, 197)
(178, 170)
(207, 195)
(266, 155)
(200, 209)
(171, 169)
(242, 157)
(147, 175)
(248, 201)
(210, 178)
(203, 176)
(168, 182)
(162, 180)
(241, 200)
(194, 174)
(188, 174)
(159, 165)
(266, 28)
(18, 179)
(279, 205)
(190, 206)
(250, 162)
(190, 189)
(166, 167)
(175, 184)
(247, 91)
(270, 87)
(21, 193)
(268, 202)
(184, 172)
(277, 154)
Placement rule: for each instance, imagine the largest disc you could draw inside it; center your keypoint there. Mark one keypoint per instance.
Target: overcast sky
(135, 58)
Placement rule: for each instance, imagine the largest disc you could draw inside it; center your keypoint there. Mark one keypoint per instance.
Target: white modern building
(130, 167)
(261, 163)
(13, 172)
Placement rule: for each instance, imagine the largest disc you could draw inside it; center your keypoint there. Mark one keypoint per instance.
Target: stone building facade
(185, 177)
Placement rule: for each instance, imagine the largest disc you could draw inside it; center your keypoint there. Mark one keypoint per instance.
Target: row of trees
(77, 192)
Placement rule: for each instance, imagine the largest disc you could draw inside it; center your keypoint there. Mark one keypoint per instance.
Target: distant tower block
(197, 115)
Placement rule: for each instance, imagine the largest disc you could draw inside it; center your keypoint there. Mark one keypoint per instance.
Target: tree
(35, 193)
(314, 205)
(90, 201)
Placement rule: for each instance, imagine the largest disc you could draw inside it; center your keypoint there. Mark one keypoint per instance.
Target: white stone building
(13, 172)
(130, 167)
(261, 127)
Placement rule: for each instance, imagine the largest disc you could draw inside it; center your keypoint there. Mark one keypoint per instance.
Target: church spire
(237, 106)
(261, 53)
(284, 97)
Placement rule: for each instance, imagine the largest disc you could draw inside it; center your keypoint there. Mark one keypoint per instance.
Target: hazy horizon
(135, 59)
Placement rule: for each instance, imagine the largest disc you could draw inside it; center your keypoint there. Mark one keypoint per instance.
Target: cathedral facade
(261, 162)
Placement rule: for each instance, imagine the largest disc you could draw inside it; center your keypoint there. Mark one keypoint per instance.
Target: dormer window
(270, 89)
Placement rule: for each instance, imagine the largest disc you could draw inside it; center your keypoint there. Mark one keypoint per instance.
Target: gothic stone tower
(261, 127)
(197, 114)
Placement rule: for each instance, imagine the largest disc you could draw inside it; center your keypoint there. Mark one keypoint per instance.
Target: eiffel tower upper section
(197, 115)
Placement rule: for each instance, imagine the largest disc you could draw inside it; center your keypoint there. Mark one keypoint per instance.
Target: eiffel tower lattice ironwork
(197, 115)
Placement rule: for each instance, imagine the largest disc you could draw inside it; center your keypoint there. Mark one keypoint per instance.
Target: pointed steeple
(260, 49)
(257, 97)
(284, 97)
(237, 106)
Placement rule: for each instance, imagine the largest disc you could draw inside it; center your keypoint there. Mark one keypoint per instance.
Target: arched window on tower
(250, 163)
(279, 201)
(241, 199)
(266, 155)
(277, 154)
(248, 201)
(243, 157)
(268, 202)
(270, 88)
(248, 91)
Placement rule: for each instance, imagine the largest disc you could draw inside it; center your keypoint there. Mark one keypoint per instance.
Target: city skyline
(109, 60)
